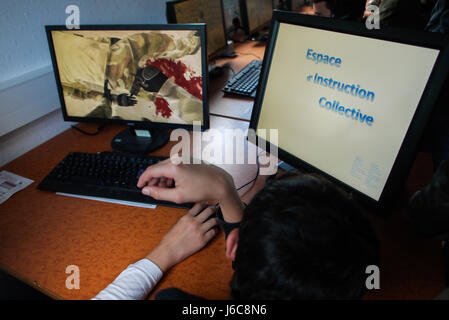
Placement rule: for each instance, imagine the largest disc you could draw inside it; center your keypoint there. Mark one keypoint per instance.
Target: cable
(257, 173)
(100, 128)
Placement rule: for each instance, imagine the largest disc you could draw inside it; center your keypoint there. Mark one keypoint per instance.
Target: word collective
(351, 113)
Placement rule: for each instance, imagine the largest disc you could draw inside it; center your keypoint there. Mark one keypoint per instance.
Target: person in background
(436, 137)
(428, 212)
(439, 20)
(345, 10)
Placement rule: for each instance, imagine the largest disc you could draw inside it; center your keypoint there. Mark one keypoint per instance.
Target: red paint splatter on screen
(178, 73)
(163, 108)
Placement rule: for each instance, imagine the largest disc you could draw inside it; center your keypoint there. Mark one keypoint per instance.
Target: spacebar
(105, 192)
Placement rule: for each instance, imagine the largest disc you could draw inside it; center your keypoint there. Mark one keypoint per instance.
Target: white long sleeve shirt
(134, 283)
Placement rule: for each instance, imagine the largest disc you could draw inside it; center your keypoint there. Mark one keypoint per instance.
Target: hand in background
(125, 100)
(189, 235)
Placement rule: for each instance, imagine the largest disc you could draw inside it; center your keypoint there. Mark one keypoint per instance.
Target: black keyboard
(246, 81)
(106, 175)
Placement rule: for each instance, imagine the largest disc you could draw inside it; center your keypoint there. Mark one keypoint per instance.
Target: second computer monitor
(256, 14)
(349, 102)
(201, 11)
(232, 19)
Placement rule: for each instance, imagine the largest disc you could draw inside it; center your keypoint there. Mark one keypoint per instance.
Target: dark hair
(347, 10)
(302, 238)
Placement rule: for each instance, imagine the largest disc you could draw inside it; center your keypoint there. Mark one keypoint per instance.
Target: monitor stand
(140, 141)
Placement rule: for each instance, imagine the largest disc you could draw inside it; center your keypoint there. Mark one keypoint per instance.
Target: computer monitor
(149, 77)
(282, 4)
(233, 20)
(256, 14)
(201, 11)
(348, 102)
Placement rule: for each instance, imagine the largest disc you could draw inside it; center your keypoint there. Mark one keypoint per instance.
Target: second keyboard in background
(246, 81)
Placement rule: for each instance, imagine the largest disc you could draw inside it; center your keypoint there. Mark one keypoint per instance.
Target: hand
(189, 235)
(125, 100)
(193, 183)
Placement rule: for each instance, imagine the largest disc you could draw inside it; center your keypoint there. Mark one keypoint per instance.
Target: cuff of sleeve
(150, 269)
(227, 226)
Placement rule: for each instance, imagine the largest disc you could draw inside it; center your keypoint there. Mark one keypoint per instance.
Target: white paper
(123, 202)
(11, 183)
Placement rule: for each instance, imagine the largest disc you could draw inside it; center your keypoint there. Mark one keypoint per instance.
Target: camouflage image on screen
(149, 75)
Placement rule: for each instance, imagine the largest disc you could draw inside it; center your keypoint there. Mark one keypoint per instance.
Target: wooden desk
(42, 233)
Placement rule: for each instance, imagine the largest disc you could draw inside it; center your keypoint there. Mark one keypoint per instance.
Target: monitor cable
(100, 128)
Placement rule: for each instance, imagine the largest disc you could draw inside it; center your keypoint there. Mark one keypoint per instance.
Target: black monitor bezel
(409, 148)
(201, 28)
(171, 18)
(245, 18)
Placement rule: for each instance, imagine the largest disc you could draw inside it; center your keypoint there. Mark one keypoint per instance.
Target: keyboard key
(107, 175)
(246, 81)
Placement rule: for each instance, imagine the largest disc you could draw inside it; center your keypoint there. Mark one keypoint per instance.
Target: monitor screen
(258, 13)
(148, 74)
(201, 11)
(232, 16)
(344, 102)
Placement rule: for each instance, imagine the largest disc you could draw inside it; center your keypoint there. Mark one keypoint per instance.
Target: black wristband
(227, 226)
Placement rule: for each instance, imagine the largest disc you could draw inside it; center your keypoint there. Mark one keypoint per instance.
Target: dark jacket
(439, 19)
(429, 209)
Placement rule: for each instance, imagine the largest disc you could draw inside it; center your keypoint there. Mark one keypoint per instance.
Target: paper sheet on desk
(123, 202)
(11, 183)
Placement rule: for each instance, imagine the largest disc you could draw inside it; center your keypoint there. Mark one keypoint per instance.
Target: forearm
(134, 283)
(229, 200)
(164, 257)
(232, 207)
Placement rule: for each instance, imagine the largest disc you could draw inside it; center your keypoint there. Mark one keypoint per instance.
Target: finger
(153, 182)
(166, 194)
(169, 182)
(203, 216)
(161, 169)
(162, 183)
(197, 208)
(209, 235)
(209, 224)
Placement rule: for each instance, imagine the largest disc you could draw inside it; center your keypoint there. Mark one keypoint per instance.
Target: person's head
(301, 238)
(347, 10)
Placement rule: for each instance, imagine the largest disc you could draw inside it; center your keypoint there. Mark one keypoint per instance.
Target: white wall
(23, 39)
(22, 140)
(29, 104)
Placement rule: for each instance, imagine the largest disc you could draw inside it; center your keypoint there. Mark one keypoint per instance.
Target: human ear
(232, 243)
